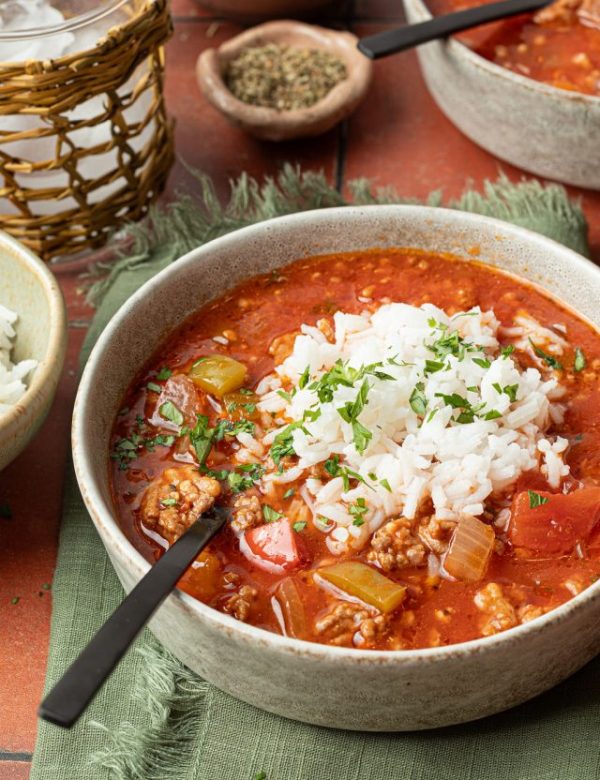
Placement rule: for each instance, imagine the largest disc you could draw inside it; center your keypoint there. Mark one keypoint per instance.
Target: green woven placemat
(156, 720)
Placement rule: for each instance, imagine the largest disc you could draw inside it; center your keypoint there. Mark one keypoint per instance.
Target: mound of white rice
(433, 409)
(12, 376)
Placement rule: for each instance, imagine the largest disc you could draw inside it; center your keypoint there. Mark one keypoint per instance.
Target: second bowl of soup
(526, 92)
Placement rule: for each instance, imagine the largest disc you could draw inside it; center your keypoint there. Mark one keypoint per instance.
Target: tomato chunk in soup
(408, 444)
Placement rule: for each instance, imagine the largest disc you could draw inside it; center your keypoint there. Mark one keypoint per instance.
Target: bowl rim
(103, 515)
(460, 49)
(51, 364)
(210, 76)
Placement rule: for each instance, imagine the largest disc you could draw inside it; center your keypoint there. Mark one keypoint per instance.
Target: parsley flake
(170, 412)
(270, 515)
(549, 360)
(580, 362)
(535, 499)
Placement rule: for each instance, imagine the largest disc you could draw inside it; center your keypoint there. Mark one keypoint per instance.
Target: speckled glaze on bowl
(28, 287)
(548, 131)
(332, 686)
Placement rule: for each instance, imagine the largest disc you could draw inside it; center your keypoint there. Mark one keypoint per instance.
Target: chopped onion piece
(470, 549)
(292, 608)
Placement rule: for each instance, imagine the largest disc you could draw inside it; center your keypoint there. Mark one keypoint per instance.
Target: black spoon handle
(392, 41)
(79, 684)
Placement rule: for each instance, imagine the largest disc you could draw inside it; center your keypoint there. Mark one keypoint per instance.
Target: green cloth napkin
(155, 719)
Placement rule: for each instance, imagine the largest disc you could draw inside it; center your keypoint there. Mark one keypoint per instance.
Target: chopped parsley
(299, 526)
(417, 400)
(433, 366)
(201, 438)
(358, 511)
(493, 414)
(250, 473)
(509, 390)
(283, 445)
(127, 449)
(332, 466)
(304, 377)
(153, 387)
(164, 373)
(170, 412)
(270, 515)
(507, 350)
(549, 360)
(289, 493)
(579, 362)
(385, 484)
(449, 343)
(15, 600)
(482, 362)
(536, 499)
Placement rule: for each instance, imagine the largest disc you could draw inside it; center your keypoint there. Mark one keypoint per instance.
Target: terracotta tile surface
(398, 138)
(14, 770)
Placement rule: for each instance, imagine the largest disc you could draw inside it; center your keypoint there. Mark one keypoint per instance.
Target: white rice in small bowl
(13, 376)
(33, 338)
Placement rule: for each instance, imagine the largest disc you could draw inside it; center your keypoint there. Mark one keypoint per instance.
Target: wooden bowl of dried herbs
(285, 79)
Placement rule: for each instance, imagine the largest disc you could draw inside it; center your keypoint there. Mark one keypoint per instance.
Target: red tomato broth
(436, 611)
(564, 52)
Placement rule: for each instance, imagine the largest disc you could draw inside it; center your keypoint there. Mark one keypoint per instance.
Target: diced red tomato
(554, 527)
(276, 544)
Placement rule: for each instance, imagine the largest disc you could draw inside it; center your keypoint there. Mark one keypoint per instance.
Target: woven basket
(74, 199)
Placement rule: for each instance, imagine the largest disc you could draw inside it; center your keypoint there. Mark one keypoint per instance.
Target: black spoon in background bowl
(394, 41)
(71, 695)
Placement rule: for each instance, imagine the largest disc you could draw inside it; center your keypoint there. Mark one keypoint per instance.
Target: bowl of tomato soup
(527, 89)
(398, 406)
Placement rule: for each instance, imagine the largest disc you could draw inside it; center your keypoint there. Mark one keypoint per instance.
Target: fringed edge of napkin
(191, 221)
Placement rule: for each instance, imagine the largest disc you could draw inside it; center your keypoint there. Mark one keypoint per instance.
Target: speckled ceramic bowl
(28, 287)
(545, 130)
(332, 686)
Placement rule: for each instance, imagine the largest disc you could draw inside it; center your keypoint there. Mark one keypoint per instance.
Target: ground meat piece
(240, 603)
(282, 346)
(499, 612)
(561, 11)
(341, 623)
(435, 534)
(529, 612)
(351, 624)
(372, 628)
(394, 546)
(247, 513)
(175, 500)
(589, 13)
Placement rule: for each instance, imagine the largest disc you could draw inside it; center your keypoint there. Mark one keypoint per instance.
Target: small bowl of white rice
(33, 335)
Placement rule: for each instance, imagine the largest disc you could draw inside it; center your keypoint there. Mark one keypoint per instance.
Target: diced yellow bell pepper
(218, 374)
(365, 583)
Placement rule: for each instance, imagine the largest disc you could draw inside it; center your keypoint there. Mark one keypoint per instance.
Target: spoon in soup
(71, 695)
(393, 41)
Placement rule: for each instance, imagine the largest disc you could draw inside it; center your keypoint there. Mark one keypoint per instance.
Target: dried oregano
(283, 77)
